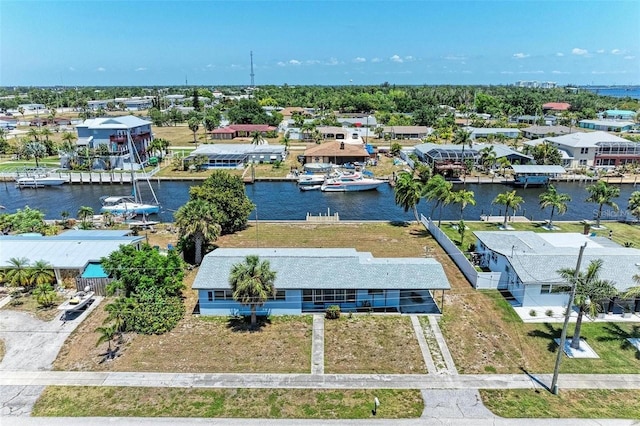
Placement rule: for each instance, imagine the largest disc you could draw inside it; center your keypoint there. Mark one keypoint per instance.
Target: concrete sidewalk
(317, 381)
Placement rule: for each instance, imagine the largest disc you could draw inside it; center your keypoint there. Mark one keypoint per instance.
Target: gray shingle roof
(536, 257)
(326, 268)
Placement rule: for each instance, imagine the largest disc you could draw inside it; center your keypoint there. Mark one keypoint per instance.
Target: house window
(307, 296)
(223, 295)
(546, 288)
(584, 150)
(375, 291)
(583, 162)
(210, 296)
(280, 295)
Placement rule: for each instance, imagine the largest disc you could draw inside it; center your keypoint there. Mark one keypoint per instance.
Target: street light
(563, 335)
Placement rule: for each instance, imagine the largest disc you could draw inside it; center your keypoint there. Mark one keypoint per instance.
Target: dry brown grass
(30, 305)
(2, 349)
(372, 344)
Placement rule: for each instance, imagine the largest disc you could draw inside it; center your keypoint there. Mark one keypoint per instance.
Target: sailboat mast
(133, 153)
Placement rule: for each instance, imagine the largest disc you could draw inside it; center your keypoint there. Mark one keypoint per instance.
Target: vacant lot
(526, 403)
(243, 403)
(372, 344)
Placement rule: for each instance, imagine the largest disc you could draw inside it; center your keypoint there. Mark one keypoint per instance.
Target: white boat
(318, 167)
(310, 187)
(77, 301)
(39, 181)
(122, 205)
(311, 180)
(350, 182)
(130, 204)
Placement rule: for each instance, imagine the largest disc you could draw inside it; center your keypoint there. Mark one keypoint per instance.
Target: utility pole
(563, 335)
(252, 75)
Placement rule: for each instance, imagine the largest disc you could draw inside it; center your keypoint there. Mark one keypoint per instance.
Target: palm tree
(462, 197)
(503, 162)
(44, 294)
(634, 204)
(107, 334)
(34, 134)
(557, 201)
(85, 212)
(18, 273)
(463, 137)
(68, 137)
(439, 190)
(42, 273)
(256, 138)
(198, 221)
(65, 218)
(285, 140)
(590, 290)
(408, 192)
(488, 157)
(252, 283)
(117, 314)
(35, 150)
(602, 194)
(509, 200)
(194, 125)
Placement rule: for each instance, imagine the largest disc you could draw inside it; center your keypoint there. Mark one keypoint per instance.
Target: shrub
(45, 295)
(549, 313)
(333, 312)
(533, 313)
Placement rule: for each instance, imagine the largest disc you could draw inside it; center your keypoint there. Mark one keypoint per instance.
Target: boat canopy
(116, 199)
(538, 169)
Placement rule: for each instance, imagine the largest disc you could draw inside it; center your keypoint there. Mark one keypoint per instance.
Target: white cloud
(506, 72)
(101, 69)
(312, 62)
(454, 58)
(332, 61)
(520, 55)
(72, 69)
(281, 64)
(141, 69)
(396, 58)
(409, 58)
(616, 52)
(600, 51)
(210, 66)
(559, 72)
(559, 54)
(359, 59)
(531, 72)
(629, 57)
(295, 62)
(579, 52)
(376, 60)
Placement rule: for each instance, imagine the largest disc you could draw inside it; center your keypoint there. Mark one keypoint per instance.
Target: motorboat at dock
(350, 183)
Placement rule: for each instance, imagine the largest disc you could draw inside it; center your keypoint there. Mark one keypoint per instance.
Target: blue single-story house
(312, 279)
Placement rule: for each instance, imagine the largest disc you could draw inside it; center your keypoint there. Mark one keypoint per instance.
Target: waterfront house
(446, 159)
(592, 149)
(312, 279)
(112, 132)
(406, 132)
(336, 152)
(237, 155)
(619, 114)
(607, 125)
(528, 263)
(69, 253)
(233, 131)
(490, 132)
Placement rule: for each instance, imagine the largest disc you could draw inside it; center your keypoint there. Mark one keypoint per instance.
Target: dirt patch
(366, 344)
(28, 303)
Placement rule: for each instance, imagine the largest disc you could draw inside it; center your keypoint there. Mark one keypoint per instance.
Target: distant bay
(616, 91)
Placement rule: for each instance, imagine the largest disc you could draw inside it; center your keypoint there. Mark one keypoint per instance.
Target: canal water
(284, 201)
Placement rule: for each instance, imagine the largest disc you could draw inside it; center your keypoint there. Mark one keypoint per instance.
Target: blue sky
(152, 42)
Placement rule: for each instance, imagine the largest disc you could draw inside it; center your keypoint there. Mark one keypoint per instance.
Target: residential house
(536, 132)
(619, 114)
(406, 132)
(529, 263)
(581, 149)
(333, 133)
(233, 131)
(312, 279)
(113, 132)
(237, 155)
(447, 159)
(492, 133)
(607, 125)
(68, 253)
(336, 152)
(556, 107)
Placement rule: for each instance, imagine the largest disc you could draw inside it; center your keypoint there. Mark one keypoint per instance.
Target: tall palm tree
(510, 201)
(503, 162)
(85, 212)
(408, 192)
(34, 134)
(256, 138)
(194, 125)
(68, 137)
(437, 189)
(252, 283)
(557, 201)
(36, 150)
(41, 272)
(463, 137)
(488, 157)
(602, 194)
(590, 291)
(18, 273)
(117, 311)
(462, 197)
(634, 204)
(198, 220)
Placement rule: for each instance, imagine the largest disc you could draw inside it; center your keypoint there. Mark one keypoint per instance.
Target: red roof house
(556, 106)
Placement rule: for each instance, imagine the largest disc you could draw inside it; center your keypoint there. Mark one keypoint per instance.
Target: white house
(529, 262)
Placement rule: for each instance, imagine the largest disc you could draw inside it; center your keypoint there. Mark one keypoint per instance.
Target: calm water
(283, 201)
(617, 92)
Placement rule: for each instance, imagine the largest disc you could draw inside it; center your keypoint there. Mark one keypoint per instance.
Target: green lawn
(240, 403)
(584, 404)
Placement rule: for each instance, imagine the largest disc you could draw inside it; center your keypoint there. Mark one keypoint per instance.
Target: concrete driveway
(31, 344)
